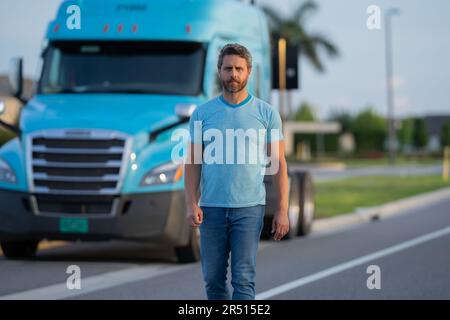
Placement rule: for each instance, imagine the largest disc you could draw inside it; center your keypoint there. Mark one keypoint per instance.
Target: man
(227, 200)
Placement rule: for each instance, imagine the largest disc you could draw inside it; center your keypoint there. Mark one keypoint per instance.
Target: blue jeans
(236, 231)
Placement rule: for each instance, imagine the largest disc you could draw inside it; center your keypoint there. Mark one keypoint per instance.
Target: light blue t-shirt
(234, 139)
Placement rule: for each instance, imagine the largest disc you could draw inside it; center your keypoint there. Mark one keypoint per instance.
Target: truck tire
(190, 252)
(23, 249)
(294, 207)
(307, 203)
(294, 211)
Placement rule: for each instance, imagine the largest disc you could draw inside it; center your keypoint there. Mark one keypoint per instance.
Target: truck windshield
(123, 67)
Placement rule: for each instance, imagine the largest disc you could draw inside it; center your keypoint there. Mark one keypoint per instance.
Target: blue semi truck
(91, 158)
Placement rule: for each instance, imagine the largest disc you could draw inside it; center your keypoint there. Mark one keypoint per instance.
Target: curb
(382, 211)
(331, 165)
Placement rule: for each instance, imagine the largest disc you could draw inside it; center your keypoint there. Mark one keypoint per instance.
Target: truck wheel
(293, 211)
(191, 252)
(267, 226)
(294, 206)
(23, 249)
(307, 204)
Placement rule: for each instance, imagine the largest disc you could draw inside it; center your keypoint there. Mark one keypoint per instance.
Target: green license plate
(73, 225)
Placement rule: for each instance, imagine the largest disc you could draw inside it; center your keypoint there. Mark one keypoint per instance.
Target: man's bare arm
(192, 172)
(280, 224)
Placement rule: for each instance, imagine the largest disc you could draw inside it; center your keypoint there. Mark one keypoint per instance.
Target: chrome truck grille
(76, 171)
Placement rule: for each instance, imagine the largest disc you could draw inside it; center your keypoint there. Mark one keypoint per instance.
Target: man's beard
(234, 86)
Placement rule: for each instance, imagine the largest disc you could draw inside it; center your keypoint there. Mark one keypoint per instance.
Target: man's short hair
(234, 49)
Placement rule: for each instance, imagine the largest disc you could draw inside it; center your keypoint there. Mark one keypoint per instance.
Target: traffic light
(291, 72)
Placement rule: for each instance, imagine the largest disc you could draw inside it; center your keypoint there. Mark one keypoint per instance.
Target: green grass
(343, 196)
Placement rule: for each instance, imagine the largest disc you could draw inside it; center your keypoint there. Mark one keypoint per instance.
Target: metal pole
(390, 85)
(319, 144)
(289, 104)
(282, 75)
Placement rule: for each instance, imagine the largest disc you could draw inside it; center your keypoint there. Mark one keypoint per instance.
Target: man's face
(234, 73)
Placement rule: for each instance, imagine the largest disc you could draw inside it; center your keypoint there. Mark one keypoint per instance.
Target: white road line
(352, 263)
(95, 283)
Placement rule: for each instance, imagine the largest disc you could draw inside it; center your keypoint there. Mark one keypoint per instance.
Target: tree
(305, 113)
(344, 118)
(294, 31)
(370, 130)
(420, 136)
(445, 135)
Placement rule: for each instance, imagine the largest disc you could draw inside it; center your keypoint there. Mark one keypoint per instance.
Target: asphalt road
(410, 250)
(324, 173)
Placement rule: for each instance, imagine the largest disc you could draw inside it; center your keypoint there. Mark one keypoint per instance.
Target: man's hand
(195, 215)
(280, 224)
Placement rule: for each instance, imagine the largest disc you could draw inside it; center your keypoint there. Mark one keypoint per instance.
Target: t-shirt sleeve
(195, 124)
(274, 128)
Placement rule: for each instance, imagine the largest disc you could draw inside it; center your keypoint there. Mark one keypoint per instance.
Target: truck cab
(92, 156)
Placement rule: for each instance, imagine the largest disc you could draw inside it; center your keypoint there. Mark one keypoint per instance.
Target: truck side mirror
(185, 110)
(15, 77)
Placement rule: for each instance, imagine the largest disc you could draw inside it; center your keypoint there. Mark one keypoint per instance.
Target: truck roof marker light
(134, 28)
(178, 174)
(188, 28)
(120, 27)
(56, 28)
(106, 27)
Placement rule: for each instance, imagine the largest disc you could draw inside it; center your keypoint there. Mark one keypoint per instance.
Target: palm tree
(293, 30)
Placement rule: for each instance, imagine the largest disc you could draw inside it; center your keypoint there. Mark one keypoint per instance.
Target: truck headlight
(167, 173)
(6, 173)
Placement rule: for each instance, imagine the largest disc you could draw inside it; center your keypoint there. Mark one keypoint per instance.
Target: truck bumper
(157, 218)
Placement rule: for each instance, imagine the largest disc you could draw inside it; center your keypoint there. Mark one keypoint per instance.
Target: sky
(353, 81)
